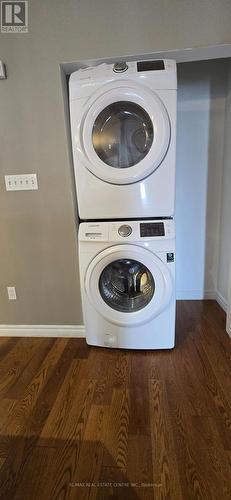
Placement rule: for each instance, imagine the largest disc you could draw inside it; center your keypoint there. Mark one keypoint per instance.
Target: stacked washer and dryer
(123, 125)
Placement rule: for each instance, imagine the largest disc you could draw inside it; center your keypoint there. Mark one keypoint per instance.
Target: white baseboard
(218, 297)
(228, 326)
(77, 331)
(198, 295)
(222, 301)
(189, 295)
(215, 295)
(210, 295)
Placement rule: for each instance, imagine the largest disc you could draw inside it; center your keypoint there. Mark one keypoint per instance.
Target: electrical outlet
(2, 70)
(23, 182)
(11, 293)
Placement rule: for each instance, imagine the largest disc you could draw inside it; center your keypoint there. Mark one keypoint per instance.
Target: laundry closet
(203, 178)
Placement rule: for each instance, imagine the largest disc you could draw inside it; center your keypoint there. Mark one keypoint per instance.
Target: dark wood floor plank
(114, 484)
(139, 415)
(43, 346)
(221, 405)
(165, 468)
(116, 440)
(211, 464)
(192, 481)
(95, 366)
(5, 409)
(68, 447)
(189, 375)
(24, 436)
(100, 366)
(122, 370)
(88, 468)
(14, 363)
(21, 410)
(6, 406)
(50, 391)
(79, 422)
(6, 344)
(36, 475)
(139, 470)
(203, 431)
(218, 360)
(61, 412)
(82, 349)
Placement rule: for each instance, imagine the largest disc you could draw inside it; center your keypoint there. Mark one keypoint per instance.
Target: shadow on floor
(45, 469)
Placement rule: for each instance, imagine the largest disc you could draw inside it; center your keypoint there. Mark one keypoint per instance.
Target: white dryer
(127, 273)
(123, 124)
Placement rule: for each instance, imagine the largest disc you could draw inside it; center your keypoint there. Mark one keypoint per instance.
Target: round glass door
(122, 134)
(126, 285)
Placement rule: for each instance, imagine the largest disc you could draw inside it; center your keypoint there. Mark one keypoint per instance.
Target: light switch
(23, 182)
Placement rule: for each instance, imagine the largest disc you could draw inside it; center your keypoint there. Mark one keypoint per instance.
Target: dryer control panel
(161, 71)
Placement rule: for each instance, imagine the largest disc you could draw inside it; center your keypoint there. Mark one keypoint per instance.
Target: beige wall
(38, 229)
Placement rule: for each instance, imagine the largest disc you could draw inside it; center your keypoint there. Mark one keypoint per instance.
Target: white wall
(200, 141)
(225, 219)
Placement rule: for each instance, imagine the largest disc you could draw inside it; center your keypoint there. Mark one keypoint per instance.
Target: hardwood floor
(87, 423)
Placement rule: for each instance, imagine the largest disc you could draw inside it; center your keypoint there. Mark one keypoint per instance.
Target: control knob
(120, 67)
(125, 230)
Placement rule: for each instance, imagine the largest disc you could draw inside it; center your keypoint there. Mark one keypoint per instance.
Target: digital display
(149, 229)
(150, 65)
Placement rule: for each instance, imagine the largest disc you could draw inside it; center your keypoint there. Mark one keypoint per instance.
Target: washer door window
(125, 133)
(122, 134)
(128, 284)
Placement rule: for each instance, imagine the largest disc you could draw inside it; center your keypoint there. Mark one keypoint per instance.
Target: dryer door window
(126, 285)
(122, 134)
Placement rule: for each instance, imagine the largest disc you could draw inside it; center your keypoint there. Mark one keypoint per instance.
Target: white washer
(127, 273)
(123, 123)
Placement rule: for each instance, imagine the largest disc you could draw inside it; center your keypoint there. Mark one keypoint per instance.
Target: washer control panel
(149, 229)
(125, 230)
